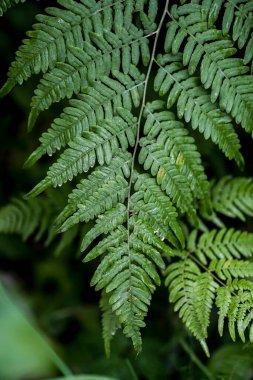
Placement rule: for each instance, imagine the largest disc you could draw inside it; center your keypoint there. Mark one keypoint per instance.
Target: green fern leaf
(240, 285)
(110, 322)
(243, 319)
(157, 203)
(89, 63)
(208, 49)
(226, 269)
(71, 25)
(233, 197)
(99, 144)
(235, 302)
(148, 235)
(137, 214)
(6, 4)
(192, 293)
(213, 9)
(182, 149)
(237, 20)
(223, 300)
(221, 244)
(98, 102)
(146, 215)
(105, 223)
(194, 104)
(202, 299)
(114, 239)
(33, 217)
(232, 316)
(107, 197)
(172, 157)
(26, 217)
(154, 155)
(96, 181)
(127, 260)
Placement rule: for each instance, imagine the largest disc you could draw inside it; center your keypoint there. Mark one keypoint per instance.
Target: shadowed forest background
(50, 285)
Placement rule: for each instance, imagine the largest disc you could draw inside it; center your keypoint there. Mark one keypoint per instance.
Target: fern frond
(6, 4)
(71, 25)
(221, 244)
(33, 217)
(107, 197)
(202, 299)
(209, 50)
(213, 9)
(237, 21)
(237, 308)
(105, 223)
(137, 214)
(172, 157)
(107, 54)
(99, 144)
(128, 272)
(195, 105)
(240, 285)
(144, 212)
(150, 199)
(120, 273)
(96, 181)
(233, 197)
(192, 293)
(156, 156)
(147, 234)
(223, 300)
(114, 239)
(181, 147)
(27, 217)
(110, 322)
(226, 269)
(99, 102)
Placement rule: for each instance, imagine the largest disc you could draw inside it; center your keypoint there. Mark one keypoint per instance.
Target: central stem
(152, 59)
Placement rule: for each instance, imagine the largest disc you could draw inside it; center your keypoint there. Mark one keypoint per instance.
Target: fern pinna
(128, 136)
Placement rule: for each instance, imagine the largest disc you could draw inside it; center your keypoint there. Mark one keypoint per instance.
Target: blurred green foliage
(21, 351)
